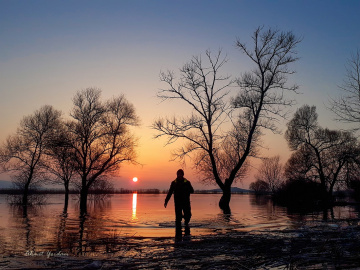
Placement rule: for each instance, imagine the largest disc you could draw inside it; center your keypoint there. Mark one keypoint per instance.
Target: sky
(49, 50)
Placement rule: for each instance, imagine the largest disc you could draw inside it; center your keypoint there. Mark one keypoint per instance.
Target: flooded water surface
(50, 227)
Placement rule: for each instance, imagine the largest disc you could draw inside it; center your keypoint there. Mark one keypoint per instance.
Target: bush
(355, 186)
(33, 199)
(302, 195)
(260, 187)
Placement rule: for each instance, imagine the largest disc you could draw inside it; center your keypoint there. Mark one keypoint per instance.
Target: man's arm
(168, 196)
(191, 189)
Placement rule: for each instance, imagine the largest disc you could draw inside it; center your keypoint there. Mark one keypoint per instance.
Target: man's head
(180, 174)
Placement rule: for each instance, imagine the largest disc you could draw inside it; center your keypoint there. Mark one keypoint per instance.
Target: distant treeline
(115, 191)
(95, 191)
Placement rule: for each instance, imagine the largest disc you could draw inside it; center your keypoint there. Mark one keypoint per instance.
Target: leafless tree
(61, 161)
(22, 154)
(347, 106)
(352, 177)
(320, 154)
(271, 172)
(260, 187)
(100, 137)
(222, 134)
(101, 189)
(299, 165)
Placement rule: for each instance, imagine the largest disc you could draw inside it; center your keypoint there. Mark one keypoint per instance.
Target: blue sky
(51, 49)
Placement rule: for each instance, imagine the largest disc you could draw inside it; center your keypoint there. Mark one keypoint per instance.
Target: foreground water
(48, 228)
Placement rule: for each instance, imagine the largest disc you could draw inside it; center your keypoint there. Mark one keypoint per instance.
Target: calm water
(142, 216)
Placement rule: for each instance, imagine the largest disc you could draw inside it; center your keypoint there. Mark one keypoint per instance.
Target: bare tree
(220, 139)
(101, 189)
(61, 162)
(260, 187)
(22, 154)
(100, 137)
(320, 154)
(352, 177)
(271, 172)
(347, 106)
(300, 165)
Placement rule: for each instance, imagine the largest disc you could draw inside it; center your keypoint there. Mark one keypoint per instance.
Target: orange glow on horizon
(157, 170)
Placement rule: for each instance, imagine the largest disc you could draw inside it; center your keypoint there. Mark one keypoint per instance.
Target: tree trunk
(324, 189)
(66, 202)
(331, 188)
(25, 194)
(25, 211)
(83, 200)
(81, 233)
(330, 197)
(224, 202)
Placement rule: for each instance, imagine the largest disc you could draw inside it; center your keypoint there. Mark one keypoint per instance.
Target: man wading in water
(182, 188)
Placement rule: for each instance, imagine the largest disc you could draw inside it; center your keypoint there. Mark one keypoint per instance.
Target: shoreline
(318, 247)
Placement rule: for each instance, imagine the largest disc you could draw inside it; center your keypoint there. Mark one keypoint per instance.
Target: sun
(135, 179)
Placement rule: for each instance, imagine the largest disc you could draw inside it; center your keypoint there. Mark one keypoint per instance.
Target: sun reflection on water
(134, 204)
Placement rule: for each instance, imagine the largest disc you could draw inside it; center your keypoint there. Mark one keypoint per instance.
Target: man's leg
(178, 218)
(187, 217)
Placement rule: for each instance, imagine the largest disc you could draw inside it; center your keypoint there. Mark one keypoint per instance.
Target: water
(141, 216)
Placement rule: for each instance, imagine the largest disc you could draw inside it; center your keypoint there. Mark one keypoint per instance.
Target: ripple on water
(109, 224)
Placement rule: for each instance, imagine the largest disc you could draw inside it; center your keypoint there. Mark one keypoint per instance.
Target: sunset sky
(51, 49)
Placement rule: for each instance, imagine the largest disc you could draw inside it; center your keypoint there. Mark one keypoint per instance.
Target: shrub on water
(355, 186)
(34, 199)
(301, 194)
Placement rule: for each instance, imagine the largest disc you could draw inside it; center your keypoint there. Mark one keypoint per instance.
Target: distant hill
(5, 184)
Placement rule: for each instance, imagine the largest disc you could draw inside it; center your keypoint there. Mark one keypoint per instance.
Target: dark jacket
(181, 190)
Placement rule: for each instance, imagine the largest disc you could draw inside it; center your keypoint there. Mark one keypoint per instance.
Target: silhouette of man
(182, 188)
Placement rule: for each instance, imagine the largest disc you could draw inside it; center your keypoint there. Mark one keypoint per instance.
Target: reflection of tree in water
(62, 227)
(270, 210)
(3, 241)
(34, 199)
(24, 237)
(32, 230)
(266, 207)
(348, 215)
(227, 221)
(260, 200)
(86, 234)
(99, 204)
(357, 210)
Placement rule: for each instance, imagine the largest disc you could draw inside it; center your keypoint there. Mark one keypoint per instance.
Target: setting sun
(135, 179)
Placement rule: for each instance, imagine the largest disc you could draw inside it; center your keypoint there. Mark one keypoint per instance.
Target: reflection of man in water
(182, 188)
